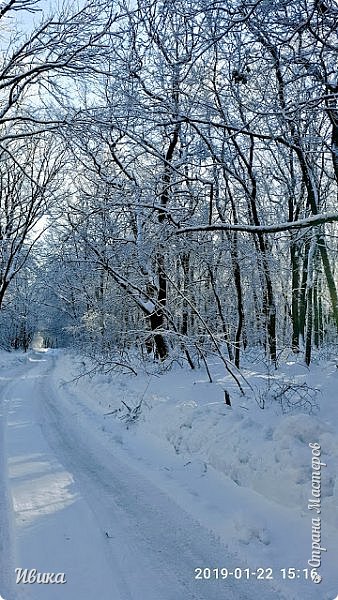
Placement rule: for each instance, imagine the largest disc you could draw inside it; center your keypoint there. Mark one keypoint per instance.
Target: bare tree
(28, 189)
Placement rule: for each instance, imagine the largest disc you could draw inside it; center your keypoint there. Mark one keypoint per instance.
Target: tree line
(168, 177)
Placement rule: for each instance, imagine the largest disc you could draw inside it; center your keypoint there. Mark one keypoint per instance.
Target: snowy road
(81, 510)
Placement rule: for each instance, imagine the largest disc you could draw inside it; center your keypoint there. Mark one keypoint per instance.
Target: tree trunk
(295, 297)
(309, 322)
(302, 294)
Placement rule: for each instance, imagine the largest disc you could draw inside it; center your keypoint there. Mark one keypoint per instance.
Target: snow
(311, 221)
(49, 512)
(130, 509)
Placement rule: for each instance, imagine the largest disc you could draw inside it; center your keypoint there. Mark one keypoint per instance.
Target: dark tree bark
(309, 326)
(302, 293)
(295, 291)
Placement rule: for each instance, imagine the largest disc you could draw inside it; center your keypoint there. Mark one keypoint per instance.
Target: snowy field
(135, 503)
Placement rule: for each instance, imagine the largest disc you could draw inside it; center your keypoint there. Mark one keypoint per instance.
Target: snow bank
(260, 449)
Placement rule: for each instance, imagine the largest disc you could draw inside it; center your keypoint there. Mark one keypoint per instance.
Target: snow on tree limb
(279, 227)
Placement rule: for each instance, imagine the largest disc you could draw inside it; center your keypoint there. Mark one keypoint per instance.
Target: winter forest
(169, 177)
(168, 271)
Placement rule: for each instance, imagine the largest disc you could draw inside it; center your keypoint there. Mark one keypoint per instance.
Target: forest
(168, 178)
(168, 299)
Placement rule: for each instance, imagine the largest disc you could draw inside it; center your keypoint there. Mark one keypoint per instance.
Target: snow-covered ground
(128, 509)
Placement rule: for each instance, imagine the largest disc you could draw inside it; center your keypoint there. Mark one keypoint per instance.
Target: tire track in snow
(54, 527)
(154, 545)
